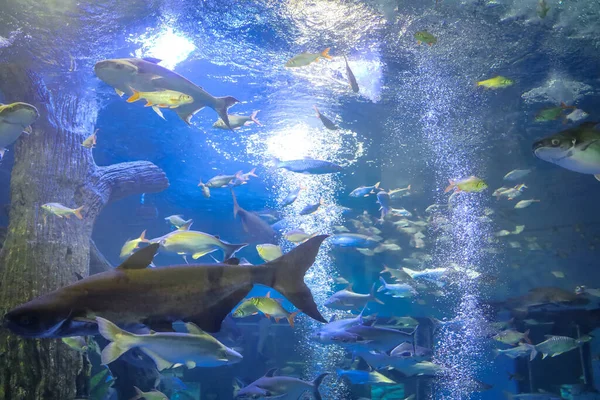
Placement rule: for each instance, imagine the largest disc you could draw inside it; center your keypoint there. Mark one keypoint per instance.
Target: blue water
(418, 120)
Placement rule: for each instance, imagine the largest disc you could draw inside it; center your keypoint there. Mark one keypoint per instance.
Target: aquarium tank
(299, 199)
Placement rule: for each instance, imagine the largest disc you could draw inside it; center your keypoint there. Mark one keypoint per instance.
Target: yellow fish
(272, 308)
(269, 252)
(90, 142)
(130, 245)
(61, 211)
(304, 59)
(161, 98)
(497, 82)
(470, 184)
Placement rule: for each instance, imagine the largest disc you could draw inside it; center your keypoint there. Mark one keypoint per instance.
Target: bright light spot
(168, 46)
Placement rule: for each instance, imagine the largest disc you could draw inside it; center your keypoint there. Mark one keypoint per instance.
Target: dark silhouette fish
(326, 121)
(133, 294)
(257, 229)
(351, 78)
(308, 166)
(145, 75)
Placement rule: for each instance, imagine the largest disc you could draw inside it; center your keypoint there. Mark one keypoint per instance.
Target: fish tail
(236, 206)
(291, 317)
(288, 276)
(118, 340)
(142, 238)
(186, 226)
(222, 104)
(381, 288)
(533, 354)
(373, 298)
(77, 212)
(254, 119)
(253, 173)
(317, 111)
(201, 184)
(376, 186)
(526, 336)
(316, 383)
(138, 394)
(325, 54)
(450, 187)
(135, 96)
(230, 249)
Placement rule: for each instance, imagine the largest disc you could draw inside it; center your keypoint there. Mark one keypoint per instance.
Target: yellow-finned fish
(196, 244)
(62, 211)
(304, 59)
(497, 82)
(471, 184)
(90, 141)
(270, 307)
(161, 98)
(269, 252)
(298, 236)
(131, 245)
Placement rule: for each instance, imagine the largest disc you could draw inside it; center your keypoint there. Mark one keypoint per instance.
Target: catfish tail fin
(222, 104)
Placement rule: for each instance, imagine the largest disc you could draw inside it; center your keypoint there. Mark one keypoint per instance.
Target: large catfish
(133, 294)
(145, 75)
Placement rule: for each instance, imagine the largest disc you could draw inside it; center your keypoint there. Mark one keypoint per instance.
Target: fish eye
(555, 142)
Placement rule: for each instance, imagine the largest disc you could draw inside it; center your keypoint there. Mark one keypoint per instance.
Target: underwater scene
(299, 199)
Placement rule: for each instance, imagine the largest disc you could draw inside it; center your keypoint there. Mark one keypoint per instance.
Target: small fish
(542, 9)
(522, 350)
(405, 322)
(219, 181)
(425, 37)
(364, 191)
(241, 179)
(471, 184)
(558, 274)
(577, 115)
(348, 300)
(358, 377)
(515, 377)
(77, 343)
(497, 82)
(196, 348)
(131, 245)
(351, 77)
(355, 240)
(253, 225)
(161, 98)
(177, 221)
(366, 252)
(557, 345)
(400, 212)
(245, 309)
(518, 229)
(280, 387)
(401, 290)
(297, 236)
(311, 208)
(516, 174)
(151, 395)
(305, 59)
(308, 166)
(271, 307)
(400, 192)
(326, 121)
(195, 243)
(90, 141)
(61, 211)
(269, 252)
(237, 121)
(291, 196)
(387, 247)
(511, 336)
(397, 274)
(433, 275)
(205, 190)
(526, 203)
(553, 113)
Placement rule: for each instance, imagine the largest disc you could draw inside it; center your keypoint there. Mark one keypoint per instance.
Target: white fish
(577, 115)
(516, 174)
(526, 203)
(193, 349)
(433, 275)
(402, 290)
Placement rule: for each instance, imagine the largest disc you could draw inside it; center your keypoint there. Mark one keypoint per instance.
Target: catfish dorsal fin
(141, 258)
(78, 276)
(186, 226)
(194, 329)
(268, 294)
(270, 373)
(152, 60)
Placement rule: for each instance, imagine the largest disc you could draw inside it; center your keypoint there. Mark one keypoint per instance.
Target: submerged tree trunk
(42, 254)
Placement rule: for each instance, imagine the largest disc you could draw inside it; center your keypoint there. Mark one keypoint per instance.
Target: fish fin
(383, 283)
(267, 315)
(289, 270)
(230, 250)
(152, 60)
(450, 187)
(142, 238)
(277, 319)
(77, 212)
(160, 362)
(158, 112)
(119, 92)
(325, 54)
(141, 258)
(138, 394)
(135, 96)
(78, 276)
(375, 299)
(236, 206)
(317, 110)
(544, 355)
(268, 294)
(186, 226)
(151, 104)
(254, 119)
(270, 373)
(222, 104)
(526, 336)
(231, 261)
(252, 173)
(114, 334)
(199, 254)
(597, 176)
(210, 319)
(316, 383)
(291, 317)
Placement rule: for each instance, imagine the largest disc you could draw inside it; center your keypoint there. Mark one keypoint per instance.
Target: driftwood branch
(131, 178)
